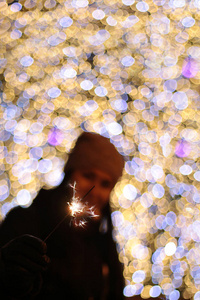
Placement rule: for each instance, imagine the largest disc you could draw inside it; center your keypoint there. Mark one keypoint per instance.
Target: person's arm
(22, 258)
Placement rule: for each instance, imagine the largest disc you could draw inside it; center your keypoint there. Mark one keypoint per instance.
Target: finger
(18, 280)
(23, 262)
(18, 273)
(29, 252)
(34, 242)
(38, 282)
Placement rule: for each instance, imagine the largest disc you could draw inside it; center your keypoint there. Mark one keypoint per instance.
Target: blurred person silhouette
(77, 261)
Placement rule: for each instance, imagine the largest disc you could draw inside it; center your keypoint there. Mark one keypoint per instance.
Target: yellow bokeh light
(128, 70)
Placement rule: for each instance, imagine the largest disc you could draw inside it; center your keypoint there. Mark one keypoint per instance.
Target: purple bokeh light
(189, 68)
(55, 136)
(182, 148)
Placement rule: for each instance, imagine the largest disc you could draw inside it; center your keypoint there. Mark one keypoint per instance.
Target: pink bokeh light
(55, 136)
(182, 148)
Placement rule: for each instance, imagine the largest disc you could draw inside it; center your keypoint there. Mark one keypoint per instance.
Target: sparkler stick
(72, 212)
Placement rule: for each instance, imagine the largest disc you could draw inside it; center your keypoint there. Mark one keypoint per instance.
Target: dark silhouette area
(79, 259)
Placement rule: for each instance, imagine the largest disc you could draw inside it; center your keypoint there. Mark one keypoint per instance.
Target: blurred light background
(129, 70)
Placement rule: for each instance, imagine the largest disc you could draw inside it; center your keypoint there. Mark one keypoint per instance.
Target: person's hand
(23, 260)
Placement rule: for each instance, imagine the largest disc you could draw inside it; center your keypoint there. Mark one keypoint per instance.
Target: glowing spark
(76, 208)
(80, 223)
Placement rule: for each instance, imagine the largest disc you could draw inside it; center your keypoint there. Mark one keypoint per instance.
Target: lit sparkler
(78, 211)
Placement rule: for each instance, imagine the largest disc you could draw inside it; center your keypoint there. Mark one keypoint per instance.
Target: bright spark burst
(80, 211)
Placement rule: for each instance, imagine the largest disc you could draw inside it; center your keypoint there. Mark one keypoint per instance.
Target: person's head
(94, 161)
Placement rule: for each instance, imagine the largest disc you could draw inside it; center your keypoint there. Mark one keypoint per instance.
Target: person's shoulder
(18, 219)
(46, 196)
(13, 213)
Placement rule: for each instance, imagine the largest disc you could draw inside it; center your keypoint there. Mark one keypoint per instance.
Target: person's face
(99, 195)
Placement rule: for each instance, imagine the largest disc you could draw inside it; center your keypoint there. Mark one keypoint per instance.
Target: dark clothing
(77, 255)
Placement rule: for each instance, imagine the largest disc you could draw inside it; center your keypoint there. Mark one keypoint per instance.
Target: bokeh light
(128, 70)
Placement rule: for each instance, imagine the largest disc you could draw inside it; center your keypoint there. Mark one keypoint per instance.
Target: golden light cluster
(128, 70)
